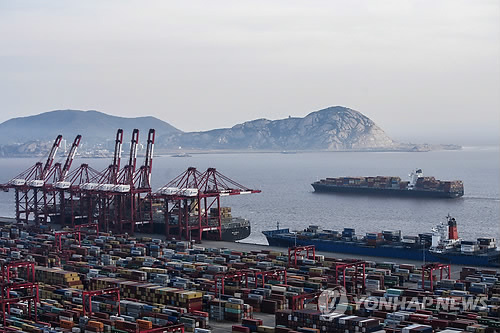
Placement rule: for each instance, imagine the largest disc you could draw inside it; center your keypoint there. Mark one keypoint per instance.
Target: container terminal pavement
(82, 281)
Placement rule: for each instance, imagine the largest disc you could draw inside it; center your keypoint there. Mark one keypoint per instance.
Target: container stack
(164, 283)
(56, 276)
(234, 309)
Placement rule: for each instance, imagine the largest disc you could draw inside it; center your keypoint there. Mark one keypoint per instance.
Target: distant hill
(94, 126)
(334, 128)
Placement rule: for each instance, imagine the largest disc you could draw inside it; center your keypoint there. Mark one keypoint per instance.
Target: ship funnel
(452, 228)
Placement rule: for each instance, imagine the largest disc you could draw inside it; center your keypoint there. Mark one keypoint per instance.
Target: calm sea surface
(288, 198)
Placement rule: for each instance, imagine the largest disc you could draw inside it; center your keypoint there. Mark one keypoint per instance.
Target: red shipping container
(239, 328)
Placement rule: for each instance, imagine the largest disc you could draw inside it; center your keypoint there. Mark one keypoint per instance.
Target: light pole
(295, 237)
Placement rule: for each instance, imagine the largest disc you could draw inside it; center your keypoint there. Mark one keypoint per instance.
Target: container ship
(417, 186)
(232, 228)
(442, 244)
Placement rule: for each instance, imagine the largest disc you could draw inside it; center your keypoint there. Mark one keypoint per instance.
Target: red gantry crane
(133, 206)
(109, 181)
(192, 203)
(28, 288)
(125, 197)
(27, 186)
(81, 196)
(56, 180)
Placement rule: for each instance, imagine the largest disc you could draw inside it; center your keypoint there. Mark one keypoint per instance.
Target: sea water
(288, 198)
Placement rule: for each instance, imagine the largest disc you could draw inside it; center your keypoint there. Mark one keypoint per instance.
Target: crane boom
(148, 162)
(133, 150)
(70, 158)
(52, 155)
(118, 149)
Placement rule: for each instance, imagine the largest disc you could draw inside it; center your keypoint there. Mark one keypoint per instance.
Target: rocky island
(332, 129)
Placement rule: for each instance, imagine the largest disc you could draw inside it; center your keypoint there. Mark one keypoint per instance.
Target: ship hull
(399, 252)
(415, 193)
(227, 234)
(233, 234)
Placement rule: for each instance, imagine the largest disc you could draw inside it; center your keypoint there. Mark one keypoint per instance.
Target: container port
(80, 256)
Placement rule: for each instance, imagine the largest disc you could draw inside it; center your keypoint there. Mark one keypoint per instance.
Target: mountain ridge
(96, 126)
(335, 128)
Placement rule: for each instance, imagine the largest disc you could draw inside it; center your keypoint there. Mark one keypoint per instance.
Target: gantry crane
(29, 287)
(81, 198)
(27, 186)
(189, 199)
(56, 181)
(134, 207)
(107, 183)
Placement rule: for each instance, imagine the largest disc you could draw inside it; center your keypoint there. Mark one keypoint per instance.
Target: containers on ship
(420, 186)
(348, 233)
(373, 238)
(469, 246)
(391, 235)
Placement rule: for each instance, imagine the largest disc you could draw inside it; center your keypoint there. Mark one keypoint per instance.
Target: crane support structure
(356, 265)
(246, 277)
(28, 184)
(87, 298)
(29, 287)
(296, 252)
(77, 202)
(428, 269)
(77, 231)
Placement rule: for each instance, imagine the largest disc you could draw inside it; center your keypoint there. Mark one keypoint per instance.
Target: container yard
(102, 282)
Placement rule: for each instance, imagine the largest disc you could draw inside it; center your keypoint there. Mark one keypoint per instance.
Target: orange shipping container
(95, 324)
(66, 324)
(144, 324)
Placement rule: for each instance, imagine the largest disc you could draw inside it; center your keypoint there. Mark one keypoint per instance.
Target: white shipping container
(189, 192)
(36, 183)
(89, 186)
(121, 188)
(169, 190)
(62, 185)
(17, 182)
(105, 187)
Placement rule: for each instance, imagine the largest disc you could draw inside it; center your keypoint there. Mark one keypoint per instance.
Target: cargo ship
(417, 186)
(442, 244)
(232, 228)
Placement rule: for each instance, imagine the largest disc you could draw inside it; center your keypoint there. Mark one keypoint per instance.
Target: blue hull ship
(398, 249)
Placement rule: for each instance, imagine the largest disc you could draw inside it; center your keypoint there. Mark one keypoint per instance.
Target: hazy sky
(427, 70)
